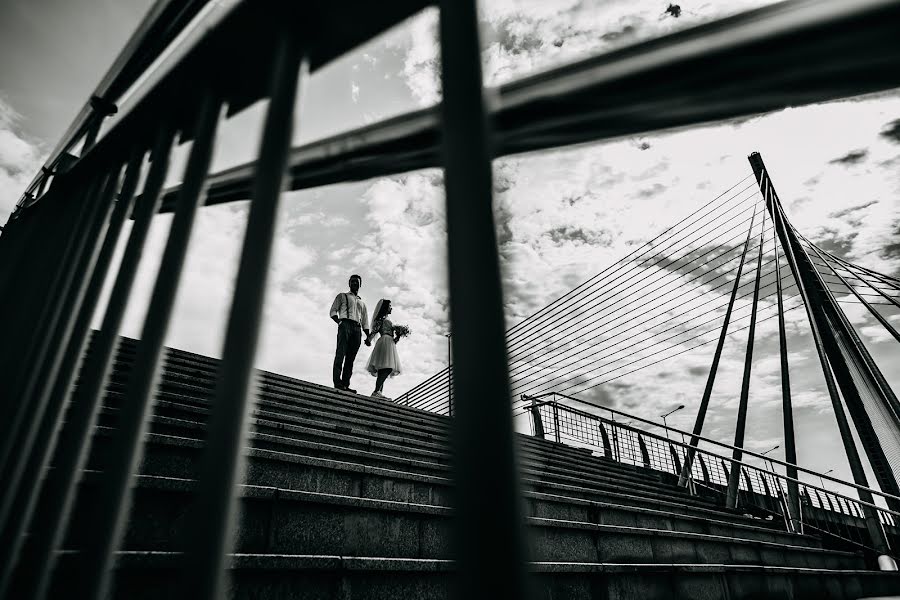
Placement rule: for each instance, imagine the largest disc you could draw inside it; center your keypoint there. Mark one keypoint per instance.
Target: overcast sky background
(562, 215)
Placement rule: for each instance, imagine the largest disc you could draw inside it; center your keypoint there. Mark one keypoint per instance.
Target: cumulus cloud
(523, 36)
(207, 285)
(20, 159)
(562, 216)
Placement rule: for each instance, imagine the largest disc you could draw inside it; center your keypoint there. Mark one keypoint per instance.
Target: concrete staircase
(347, 497)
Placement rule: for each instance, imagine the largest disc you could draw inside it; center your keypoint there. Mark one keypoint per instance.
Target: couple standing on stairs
(349, 312)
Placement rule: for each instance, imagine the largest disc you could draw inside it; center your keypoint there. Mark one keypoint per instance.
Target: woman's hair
(382, 313)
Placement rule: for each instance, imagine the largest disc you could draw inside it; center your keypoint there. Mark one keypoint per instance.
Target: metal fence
(57, 247)
(762, 491)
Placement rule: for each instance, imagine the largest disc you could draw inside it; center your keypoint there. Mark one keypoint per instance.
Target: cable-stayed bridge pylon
(734, 263)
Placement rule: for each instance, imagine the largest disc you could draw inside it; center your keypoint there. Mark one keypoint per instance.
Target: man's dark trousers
(349, 338)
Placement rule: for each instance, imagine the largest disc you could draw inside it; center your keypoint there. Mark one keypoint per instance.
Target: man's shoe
(349, 389)
(340, 386)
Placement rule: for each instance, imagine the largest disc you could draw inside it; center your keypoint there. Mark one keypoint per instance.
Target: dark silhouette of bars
(55, 248)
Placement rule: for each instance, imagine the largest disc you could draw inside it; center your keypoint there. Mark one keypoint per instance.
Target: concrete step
(292, 521)
(153, 575)
(290, 387)
(172, 455)
(361, 437)
(323, 396)
(349, 414)
(178, 457)
(325, 404)
(533, 455)
(202, 372)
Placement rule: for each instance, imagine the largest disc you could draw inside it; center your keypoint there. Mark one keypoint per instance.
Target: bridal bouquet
(402, 330)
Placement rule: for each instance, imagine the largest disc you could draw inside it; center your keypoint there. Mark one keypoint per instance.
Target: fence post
(555, 420)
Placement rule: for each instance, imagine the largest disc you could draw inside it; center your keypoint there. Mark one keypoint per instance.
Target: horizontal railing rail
(526, 402)
(211, 55)
(729, 60)
(762, 491)
(164, 21)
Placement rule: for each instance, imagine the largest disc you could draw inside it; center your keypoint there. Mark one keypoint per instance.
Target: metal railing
(762, 491)
(56, 249)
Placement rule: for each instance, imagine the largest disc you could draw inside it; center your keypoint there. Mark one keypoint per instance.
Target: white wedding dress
(384, 354)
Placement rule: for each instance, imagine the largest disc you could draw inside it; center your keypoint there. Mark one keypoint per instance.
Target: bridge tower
(845, 361)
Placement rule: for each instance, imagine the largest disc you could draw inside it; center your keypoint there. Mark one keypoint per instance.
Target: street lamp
(822, 481)
(665, 424)
(767, 462)
(775, 447)
(449, 376)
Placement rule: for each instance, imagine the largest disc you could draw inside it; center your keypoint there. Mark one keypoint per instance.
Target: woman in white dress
(384, 361)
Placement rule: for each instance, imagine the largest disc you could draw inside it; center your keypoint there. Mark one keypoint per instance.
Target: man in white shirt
(349, 312)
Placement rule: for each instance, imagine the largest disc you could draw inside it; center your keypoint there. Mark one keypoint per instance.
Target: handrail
(722, 444)
(160, 25)
(234, 16)
(732, 460)
(728, 59)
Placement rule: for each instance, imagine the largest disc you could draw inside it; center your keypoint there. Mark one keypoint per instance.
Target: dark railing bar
(25, 303)
(211, 525)
(76, 264)
(36, 463)
(63, 303)
(42, 303)
(146, 367)
(107, 516)
(488, 537)
(729, 60)
(16, 241)
(161, 24)
(248, 21)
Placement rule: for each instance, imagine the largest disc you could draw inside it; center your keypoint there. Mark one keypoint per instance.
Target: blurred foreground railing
(56, 250)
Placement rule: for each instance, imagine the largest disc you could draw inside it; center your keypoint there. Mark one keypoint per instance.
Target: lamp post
(665, 424)
(770, 469)
(449, 375)
(822, 481)
(767, 463)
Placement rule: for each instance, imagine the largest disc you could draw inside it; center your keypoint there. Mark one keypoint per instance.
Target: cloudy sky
(562, 216)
